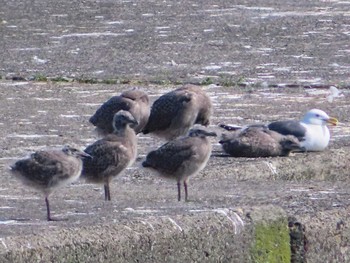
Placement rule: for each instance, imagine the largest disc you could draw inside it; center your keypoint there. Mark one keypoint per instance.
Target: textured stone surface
(312, 187)
(220, 235)
(238, 41)
(247, 46)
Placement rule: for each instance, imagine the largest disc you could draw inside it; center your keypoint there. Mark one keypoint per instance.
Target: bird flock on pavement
(186, 152)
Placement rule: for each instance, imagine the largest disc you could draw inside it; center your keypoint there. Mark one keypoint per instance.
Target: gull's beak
(332, 121)
(84, 154)
(133, 123)
(213, 134)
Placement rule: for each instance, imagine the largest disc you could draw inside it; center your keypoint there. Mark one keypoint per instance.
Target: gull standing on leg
(112, 154)
(47, 170)
(181, 158)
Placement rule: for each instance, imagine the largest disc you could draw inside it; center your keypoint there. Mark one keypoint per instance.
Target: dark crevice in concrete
(298, 241)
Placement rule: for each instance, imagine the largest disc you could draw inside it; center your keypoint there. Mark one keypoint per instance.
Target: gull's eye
(317, 115)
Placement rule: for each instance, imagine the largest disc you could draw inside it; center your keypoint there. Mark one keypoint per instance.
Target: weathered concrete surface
(312, 187)
(328, 235)
(258, 43)
(238, 41)
(200, 236)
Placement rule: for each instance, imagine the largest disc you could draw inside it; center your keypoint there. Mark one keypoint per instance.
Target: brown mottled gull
(135, 101)
(46, 170)
(258, 141)
(174, 113)
(112, 154)
(181, 158)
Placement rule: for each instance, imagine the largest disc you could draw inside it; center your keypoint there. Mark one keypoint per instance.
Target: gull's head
(123, 118)
(318, 117)
(200, 133)
(75, 151)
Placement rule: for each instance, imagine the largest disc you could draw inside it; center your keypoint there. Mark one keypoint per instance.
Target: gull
(47, 170)
(174, 113)
(112, 154)
(135, 101)
(257, 141)
(311, 131)
(181, 158)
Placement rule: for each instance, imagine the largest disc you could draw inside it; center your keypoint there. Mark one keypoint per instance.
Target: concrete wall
(258, 235)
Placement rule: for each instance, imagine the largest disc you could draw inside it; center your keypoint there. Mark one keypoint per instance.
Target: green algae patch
(272, 242)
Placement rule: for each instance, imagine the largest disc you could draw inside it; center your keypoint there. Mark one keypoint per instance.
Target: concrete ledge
(327, 236)
(221, 235)
(330, 165)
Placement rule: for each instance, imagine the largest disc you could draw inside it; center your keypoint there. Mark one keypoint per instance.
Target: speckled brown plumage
(135, 101)
(174, 113)
(258, 141)
(112, 154)
(47, 169)
(181, 158)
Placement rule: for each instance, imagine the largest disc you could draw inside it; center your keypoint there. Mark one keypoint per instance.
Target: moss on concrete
(272, 242)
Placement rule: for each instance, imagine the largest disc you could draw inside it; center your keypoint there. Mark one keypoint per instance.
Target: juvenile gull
(174, 113)
(135, 101)
(46, 170)
(311, 131)
(181, 158)
(258, 141)
(112, 154)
